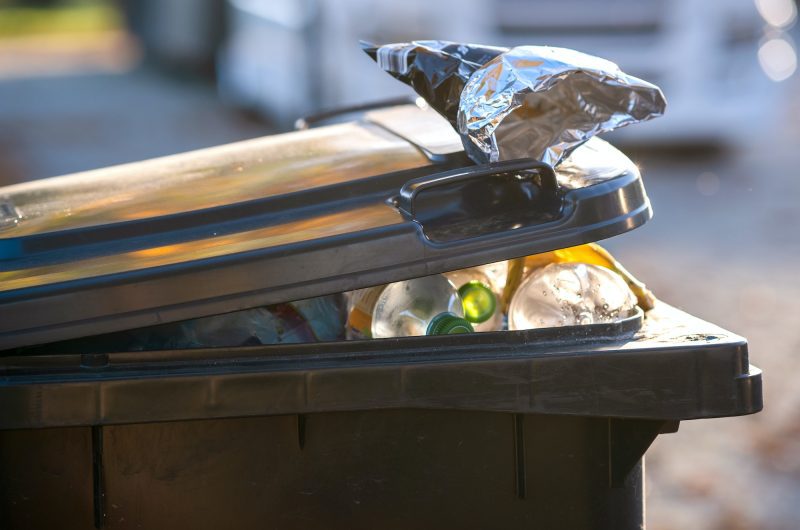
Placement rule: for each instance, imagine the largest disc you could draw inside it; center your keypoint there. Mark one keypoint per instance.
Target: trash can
(540, 428)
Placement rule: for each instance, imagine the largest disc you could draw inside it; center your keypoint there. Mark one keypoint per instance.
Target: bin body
(537, 429)
(396, 469)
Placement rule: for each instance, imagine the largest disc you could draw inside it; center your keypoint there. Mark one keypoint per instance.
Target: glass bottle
(480, 297)
(401, 309)
(448, 324)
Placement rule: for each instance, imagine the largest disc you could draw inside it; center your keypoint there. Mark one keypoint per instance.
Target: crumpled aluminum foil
(529, 101)
(437, 70)
(542, 102)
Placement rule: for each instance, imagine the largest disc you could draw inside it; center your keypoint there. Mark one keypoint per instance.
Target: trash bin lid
(287, 217)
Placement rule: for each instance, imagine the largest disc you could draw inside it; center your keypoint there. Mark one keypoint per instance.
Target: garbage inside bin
(462, 301)
(312, 320)
(404, 309)
(567, 294)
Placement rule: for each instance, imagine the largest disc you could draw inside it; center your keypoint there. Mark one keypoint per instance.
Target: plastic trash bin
(539, 428)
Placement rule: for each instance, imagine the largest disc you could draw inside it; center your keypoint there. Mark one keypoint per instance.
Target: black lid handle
(477, 200)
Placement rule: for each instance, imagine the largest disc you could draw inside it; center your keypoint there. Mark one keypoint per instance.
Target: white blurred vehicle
(716, 60)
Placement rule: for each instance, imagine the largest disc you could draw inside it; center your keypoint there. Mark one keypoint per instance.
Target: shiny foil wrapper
(543, 102)
(529, 101)
(437, 70)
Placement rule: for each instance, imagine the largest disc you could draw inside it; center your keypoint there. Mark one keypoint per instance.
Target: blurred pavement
(57, 125)
(724, 244)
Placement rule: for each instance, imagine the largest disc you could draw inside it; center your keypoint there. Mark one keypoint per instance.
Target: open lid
(388, 197)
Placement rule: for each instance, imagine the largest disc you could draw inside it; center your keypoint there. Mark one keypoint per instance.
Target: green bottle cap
(479, 301)
(448, 324)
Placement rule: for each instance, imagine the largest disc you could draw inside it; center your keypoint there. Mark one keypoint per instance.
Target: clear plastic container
(568, 294)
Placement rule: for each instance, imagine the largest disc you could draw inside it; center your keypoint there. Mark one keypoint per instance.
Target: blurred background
(90, 83)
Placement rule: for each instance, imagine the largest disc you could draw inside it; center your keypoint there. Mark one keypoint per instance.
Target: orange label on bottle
(362, 303)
